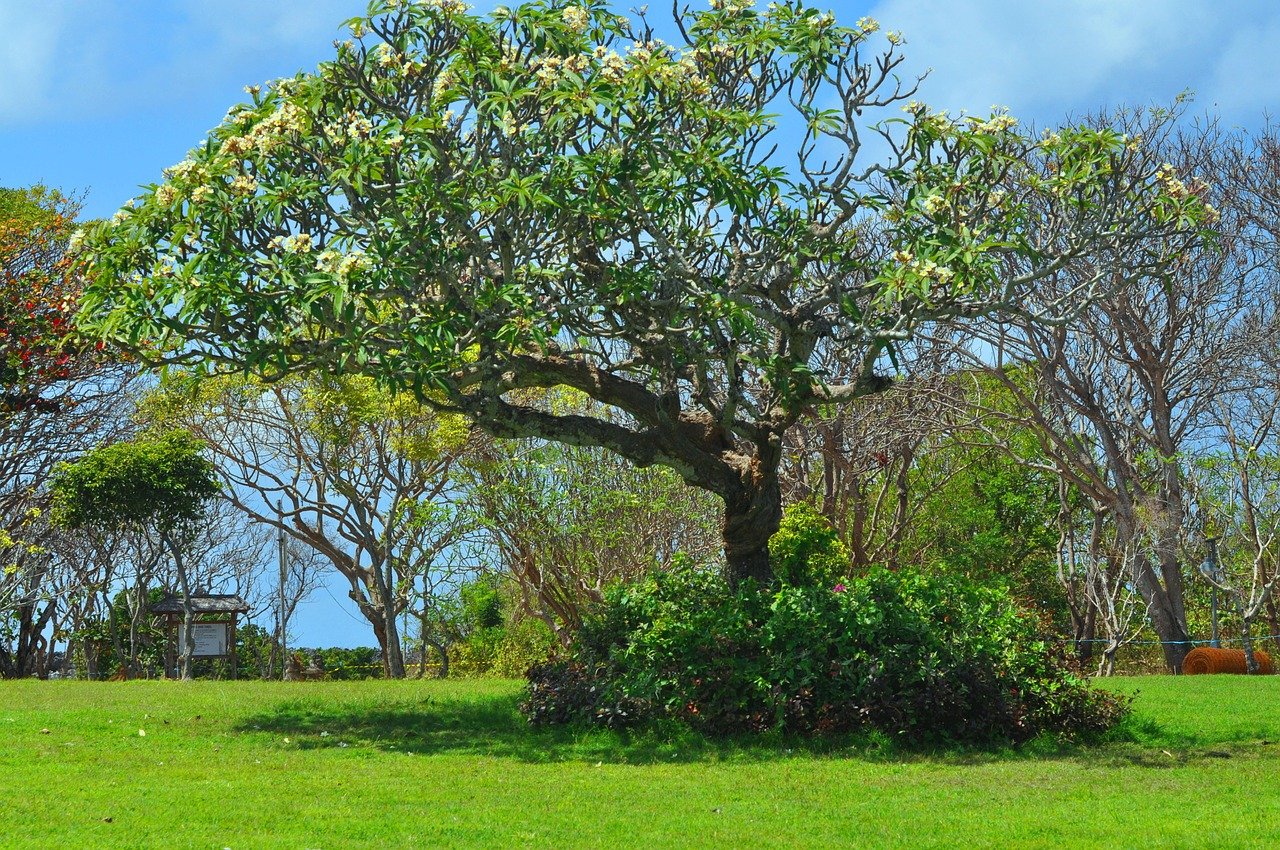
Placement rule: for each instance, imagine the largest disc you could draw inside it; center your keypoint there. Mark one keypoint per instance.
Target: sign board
(212, 639)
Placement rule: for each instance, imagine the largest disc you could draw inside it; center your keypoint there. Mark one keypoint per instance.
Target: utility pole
(283, 637)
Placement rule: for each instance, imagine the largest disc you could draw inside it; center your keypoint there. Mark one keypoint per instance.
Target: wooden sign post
(215, 636)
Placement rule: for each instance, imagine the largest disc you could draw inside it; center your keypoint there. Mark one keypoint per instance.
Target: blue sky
(99, 96)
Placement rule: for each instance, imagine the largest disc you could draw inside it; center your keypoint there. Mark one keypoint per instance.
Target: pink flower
(839, 588)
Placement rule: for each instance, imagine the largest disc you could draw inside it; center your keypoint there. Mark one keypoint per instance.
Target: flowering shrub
(924, 659)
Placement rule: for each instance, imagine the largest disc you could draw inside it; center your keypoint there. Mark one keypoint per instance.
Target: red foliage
(38, 294)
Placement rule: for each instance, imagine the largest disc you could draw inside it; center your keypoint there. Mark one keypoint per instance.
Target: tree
(361, 475)
(162, 485)
(1122, 391)
(1235, 486)
(566, 522)
(57, 400)
(38, 296)
(470, 206)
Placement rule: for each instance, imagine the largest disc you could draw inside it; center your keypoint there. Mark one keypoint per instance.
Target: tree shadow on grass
(493, 726)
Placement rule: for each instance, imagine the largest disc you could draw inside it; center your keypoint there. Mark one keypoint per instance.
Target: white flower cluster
(385, 56)
(547, 70)
(732, 6)
(445, 81)
(268, 133)
(576, 18)
(201, 193)
(1000, 122)
(185, 170)
(352, 125)
(935, 204)
(166, 194)
(236, 147)
(867, 25)
(243, 184)
(612, 67)
(1167, 177)
(359, 127)
(452, 7)
(821, 22)
(341, 265)
(642, 51)
(926, 269)
(300, 243)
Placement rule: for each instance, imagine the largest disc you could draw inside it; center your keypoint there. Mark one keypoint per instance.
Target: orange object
(1206, 659)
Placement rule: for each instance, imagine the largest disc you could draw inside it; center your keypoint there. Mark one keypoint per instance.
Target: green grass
(408, 764)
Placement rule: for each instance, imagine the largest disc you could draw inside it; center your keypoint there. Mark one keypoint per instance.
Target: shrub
(525, 643)
(482, 602)
(504, 651)
(474, 656)
(925, 659)
(806, 550)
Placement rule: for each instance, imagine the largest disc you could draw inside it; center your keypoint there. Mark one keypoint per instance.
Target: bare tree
(87, 405)
(1118, 393)
(859, 463)
(344, 468)
(1096, 573)
(1235, 486)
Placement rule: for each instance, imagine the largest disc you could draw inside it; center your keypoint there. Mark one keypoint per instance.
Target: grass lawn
(409, 764)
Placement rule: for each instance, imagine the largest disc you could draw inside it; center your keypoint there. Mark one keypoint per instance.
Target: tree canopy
(38, 294)
(161, 482)
(552, 196)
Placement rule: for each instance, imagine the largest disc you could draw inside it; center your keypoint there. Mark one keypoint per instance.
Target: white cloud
(1045, 59)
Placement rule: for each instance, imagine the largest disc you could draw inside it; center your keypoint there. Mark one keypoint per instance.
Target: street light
(1212, 571)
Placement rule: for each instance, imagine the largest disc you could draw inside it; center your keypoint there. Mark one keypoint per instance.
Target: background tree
(1235, 503)
(361, 475)
(568, 521)
(1127, 386)
(161, 486)
(57, 400)
(470, 206)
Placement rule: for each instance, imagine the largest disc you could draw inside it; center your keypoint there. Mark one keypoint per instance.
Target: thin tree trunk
(1246, 637)
(188, 614)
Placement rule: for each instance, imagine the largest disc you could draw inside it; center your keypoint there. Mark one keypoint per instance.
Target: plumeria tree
(553, 196)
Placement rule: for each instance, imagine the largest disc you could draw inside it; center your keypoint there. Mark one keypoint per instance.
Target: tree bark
(752, 515)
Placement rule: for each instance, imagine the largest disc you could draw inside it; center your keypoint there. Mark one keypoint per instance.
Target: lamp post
(1210, 570)
(283, 555)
